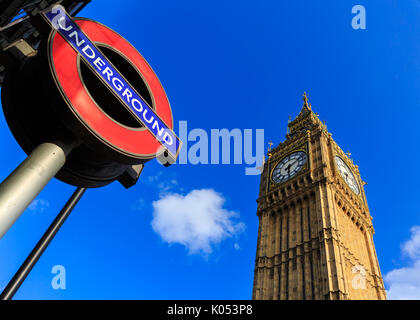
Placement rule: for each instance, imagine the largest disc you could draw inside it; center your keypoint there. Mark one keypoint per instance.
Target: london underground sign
(90, 86)
(81, 36)
(87, 109)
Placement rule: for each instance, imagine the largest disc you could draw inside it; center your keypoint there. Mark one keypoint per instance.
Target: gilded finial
(348, 154)
(288, 122)
(269, 149)
(305, 101)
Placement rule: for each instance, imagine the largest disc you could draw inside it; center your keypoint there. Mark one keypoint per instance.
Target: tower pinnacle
(306, 104)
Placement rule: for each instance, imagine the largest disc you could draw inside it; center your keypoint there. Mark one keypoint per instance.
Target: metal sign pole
(22, 186)
(40, 247)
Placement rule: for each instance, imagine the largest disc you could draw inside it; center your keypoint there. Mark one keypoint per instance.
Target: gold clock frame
(303, 170)
(356, 176)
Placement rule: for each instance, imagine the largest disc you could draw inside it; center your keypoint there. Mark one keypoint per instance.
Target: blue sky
(237, 64)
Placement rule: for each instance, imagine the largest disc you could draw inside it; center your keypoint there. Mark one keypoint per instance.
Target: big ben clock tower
(315, 229)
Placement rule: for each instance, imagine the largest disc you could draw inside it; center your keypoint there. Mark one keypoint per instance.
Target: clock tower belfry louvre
(315, 230)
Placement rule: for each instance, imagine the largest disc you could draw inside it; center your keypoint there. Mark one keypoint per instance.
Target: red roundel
(139, 144)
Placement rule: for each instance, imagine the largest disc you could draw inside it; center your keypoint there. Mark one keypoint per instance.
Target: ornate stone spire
(304, 120)
(306, 109)
(306, 105)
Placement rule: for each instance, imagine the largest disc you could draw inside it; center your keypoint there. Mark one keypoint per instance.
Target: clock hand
(347, 177)
(292, 164)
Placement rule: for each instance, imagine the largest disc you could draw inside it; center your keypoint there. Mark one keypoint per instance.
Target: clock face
(289, 167)
(347, 175)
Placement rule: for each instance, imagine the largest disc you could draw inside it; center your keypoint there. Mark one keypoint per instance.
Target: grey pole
(40, 247)
(22, 186)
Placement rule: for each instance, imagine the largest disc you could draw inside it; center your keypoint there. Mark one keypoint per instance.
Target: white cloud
(39, 205)
(164, 183)
(166, 186)
(412, 246)
(404, 283)
(155, 178)
(197, 220)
